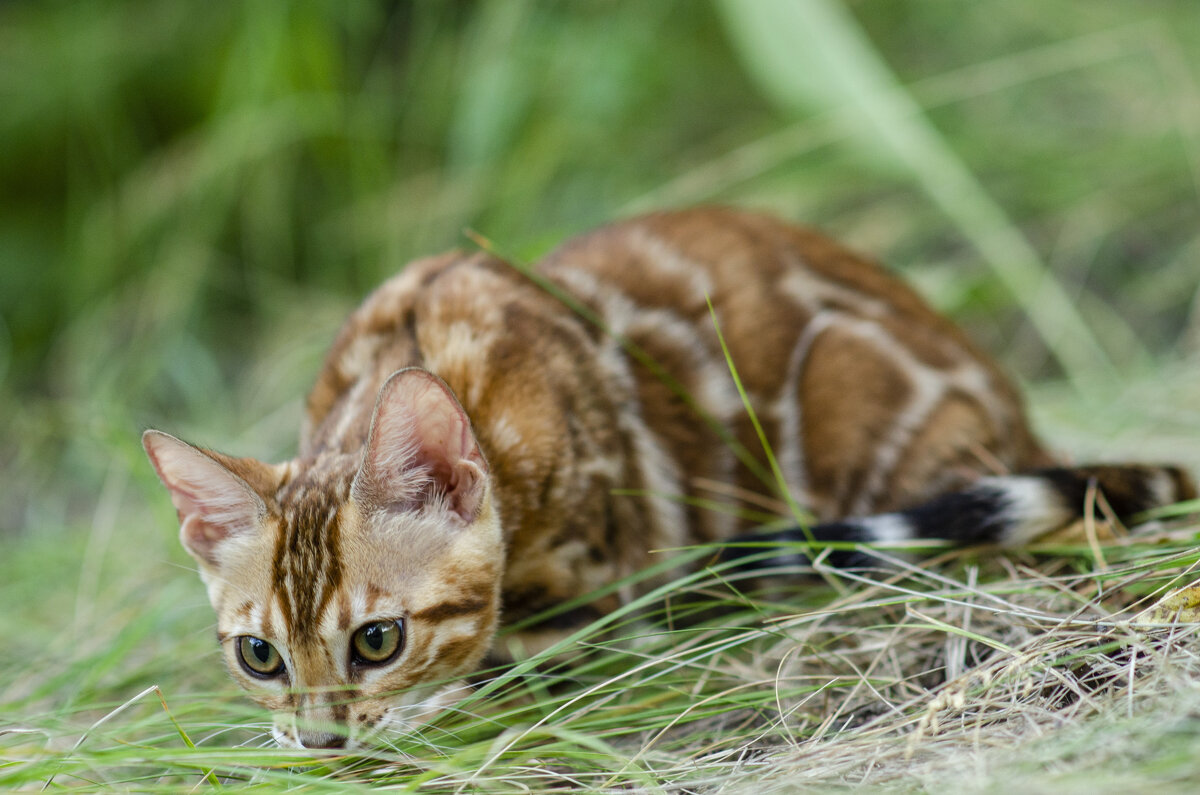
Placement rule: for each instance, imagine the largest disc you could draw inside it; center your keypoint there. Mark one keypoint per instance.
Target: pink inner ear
(421, 447)
(201, 537)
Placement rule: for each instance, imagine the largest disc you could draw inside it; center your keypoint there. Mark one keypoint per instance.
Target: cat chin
(285, 740)
(396, 721)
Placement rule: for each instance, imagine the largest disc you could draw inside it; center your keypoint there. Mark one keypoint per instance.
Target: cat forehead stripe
(307, 568)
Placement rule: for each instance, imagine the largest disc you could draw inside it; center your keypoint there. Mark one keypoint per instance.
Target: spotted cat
(485, 443)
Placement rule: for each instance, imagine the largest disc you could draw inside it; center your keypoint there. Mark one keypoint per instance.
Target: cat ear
(421, 449)
(213, 503)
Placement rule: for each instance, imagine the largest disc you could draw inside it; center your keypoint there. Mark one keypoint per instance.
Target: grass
(899, 679)
(192, 203)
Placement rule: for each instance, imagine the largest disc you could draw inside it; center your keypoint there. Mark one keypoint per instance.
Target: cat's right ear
(213, 503)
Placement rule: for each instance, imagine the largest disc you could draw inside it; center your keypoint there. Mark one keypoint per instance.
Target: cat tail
(1007, 510)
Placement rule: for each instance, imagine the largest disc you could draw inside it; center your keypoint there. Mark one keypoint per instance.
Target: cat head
(348, 589)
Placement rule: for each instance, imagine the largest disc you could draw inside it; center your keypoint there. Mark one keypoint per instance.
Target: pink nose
(321, 739)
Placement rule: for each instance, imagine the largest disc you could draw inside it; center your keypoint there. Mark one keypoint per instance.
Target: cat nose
(321, 739)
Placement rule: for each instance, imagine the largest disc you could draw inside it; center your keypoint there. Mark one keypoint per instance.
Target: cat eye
(259, 657)
(377, 642)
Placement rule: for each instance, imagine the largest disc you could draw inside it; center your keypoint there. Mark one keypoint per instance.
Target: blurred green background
(192, 196)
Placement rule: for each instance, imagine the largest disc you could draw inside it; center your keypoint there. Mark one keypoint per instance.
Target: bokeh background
(193, 195)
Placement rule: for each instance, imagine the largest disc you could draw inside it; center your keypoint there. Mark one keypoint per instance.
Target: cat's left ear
(421, 450)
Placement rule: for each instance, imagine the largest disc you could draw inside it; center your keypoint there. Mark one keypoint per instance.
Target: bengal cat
(483, 444)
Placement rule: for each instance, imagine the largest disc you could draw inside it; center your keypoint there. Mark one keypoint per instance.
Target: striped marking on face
(306, 571)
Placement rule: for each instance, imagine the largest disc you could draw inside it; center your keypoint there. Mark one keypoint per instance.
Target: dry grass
(953, 679)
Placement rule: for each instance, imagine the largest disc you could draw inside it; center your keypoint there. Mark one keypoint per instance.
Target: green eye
(258, 657)
(377, 642)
